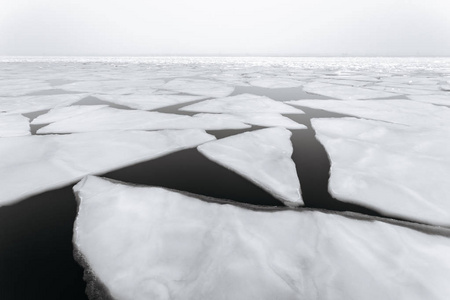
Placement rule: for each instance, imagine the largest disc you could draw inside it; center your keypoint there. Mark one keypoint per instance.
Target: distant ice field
(361, 135)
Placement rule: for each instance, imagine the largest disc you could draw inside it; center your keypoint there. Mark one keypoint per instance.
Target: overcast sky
(226, 27)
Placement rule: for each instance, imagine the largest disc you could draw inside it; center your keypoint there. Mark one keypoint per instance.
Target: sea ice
(149, 102)
(243, 103)
(344, 92)
(398, 170)
(268, 120)
(435, 99)
(276, 83)
(108, 118)
(63, 113)
(25, 104)
(13, 125)
(199, 87)
(36, 164)
(262, 156)
(153, 243)
(406, 112)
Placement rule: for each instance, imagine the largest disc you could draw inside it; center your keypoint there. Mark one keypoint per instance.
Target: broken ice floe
(153, 243)
(268, 120)
(13, 125)
(404, 112)
(262, 156)
(36, 164)
(149, 102)
(435, 99)
(344, 92)
(63, 113)
(25, 104)
(243, 103)
(398, 170)
(199, 87)
(107, 118)
(18, 87)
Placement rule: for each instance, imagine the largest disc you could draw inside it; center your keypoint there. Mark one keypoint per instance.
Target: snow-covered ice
(107, 118)
(398, 170)
(263, 157)
(435, 99)
(153, 243)
(344, 92)
(406, 112)
(200, 87)
(36, 164)
(25, 104)
(149, 102)
(63, 113)
(268, 120)
(276, 83)
(13, 125)
(243, 103)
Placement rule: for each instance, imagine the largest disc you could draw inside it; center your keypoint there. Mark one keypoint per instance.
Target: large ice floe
(401, 171)
(25, 104)
(153, 243)
(199, 87)
(404, 112)
(63, 113)
(36, 164)
(276, 83)
(262, 156)
(107, 118)
(432, 98)
(344, 92)
(243, 103)
(14, 125)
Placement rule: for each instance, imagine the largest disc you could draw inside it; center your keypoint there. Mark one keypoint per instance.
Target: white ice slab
(445, 87)
(199, 87)
(107, 118)
(276, 83)
(398, 170)
(269, 120)
(115, 87)
(344, 92)
(36, 164)
(404, 112)
(435, 99)
(63, 113)
(13, 125)
(19, 87)
(263, 157)
(25, 104)
(243, 103)
(149, 102)
(152, 243)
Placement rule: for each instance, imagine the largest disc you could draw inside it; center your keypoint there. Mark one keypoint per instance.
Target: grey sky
(232, 27)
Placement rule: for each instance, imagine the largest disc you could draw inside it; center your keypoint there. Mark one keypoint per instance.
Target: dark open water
(36, 253)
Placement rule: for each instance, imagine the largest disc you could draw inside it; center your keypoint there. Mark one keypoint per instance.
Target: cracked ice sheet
(276, 83)
(243, 103)
(435, 99)
(25, 104)
(14, 125)
(107, 118)
(199, 87)
(406, 112)
(268, 120)
(153, 243)
(113, 86)
(149, 102)
(37, 164)
(263, 157)
(398, 170)
(344, 92)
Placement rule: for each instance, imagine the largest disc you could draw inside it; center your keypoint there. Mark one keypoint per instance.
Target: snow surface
(152, 243)
(276, 83)
(25, 104)
(435, 99)
(243, 103)
(199, 87)
(14, 125)
(262, 156)
(344, 92)
(268, 120)
(39, 163)
(63, 113)
(397, 170)
(107, 118)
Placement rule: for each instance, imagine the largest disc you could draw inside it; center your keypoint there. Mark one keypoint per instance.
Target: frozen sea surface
(388, 161)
